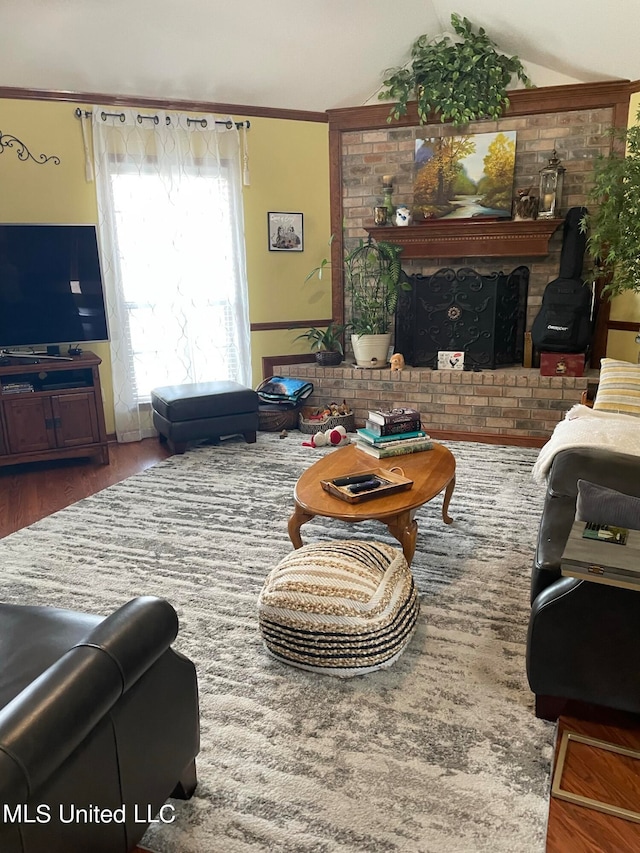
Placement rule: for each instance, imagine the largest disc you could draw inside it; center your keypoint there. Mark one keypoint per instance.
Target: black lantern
(551, 178)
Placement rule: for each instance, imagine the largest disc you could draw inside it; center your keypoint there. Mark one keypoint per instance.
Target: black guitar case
(565, 320)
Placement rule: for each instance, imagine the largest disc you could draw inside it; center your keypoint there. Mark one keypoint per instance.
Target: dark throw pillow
(601, 505)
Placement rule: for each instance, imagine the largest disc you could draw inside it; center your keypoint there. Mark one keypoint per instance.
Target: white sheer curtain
(170, 222)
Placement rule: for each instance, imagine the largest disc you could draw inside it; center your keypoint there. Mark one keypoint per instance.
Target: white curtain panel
(170, 223)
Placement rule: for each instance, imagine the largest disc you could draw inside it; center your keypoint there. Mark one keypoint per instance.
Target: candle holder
(387, 190)
(551, 179)
(380, 214)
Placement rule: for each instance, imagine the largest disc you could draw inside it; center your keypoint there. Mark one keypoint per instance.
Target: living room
(274, 741)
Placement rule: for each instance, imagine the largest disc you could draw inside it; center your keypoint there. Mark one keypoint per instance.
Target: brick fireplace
(509, 403)
(578, 135)
(512, 405)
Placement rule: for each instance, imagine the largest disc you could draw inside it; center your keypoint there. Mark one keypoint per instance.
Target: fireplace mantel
(467, 238)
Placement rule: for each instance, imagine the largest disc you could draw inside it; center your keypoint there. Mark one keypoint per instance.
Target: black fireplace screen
(482, 315)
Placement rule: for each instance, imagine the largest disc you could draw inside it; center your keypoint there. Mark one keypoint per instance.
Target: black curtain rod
(201, 121)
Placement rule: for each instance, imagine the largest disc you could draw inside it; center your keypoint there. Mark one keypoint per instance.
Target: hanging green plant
(459, 81)
(614, 228)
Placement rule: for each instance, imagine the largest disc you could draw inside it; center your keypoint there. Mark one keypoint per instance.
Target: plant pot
(328, 358)
(371, 350)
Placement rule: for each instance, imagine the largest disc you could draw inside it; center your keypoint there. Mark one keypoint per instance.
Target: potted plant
(326, 343)
(614, 228)
(460, 81)
(373, 281)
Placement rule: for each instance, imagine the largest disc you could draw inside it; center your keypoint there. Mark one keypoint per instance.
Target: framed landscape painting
(464, 177)
(285, 232)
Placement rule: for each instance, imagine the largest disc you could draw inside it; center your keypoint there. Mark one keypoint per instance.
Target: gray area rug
(441, 753)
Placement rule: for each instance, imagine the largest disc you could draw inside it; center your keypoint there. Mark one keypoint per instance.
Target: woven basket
(312, 427)
(274, 419)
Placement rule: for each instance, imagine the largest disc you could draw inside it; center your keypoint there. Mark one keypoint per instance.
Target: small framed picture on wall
(285, 232)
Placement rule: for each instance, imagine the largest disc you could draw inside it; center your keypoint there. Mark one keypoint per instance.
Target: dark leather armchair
(584, 638)
(99, 725)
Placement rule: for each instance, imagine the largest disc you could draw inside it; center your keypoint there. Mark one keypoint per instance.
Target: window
(170, 220)
(177, 278)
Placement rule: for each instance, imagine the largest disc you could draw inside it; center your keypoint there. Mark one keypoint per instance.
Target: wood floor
(31, 492)
(596, 773)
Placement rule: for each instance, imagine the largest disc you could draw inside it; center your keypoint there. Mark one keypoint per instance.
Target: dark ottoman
(204, 410)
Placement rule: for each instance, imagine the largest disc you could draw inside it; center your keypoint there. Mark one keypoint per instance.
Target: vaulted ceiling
(292, 54)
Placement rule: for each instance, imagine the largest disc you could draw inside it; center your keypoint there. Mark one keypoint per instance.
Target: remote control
(372, 483)
(354, 478)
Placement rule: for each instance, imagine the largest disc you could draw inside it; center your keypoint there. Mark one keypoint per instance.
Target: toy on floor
(335, 437)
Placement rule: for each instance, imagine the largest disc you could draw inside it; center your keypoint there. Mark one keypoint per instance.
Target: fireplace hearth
(482, 315)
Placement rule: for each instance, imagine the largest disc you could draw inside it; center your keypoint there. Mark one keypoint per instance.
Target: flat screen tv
(50, 286)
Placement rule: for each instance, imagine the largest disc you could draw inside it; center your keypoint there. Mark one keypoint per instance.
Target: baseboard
(488, 438)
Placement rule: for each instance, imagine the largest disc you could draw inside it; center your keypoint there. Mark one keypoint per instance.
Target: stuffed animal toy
(397, 361)
(335, 437)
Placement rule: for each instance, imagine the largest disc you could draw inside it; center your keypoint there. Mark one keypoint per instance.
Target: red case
(562, 363)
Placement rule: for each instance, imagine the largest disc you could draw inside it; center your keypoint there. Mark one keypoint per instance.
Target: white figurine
(403, 216)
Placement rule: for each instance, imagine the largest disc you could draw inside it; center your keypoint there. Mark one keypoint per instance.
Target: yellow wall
(289, 173)
(32, 192)
(626, 307)
(289, 162)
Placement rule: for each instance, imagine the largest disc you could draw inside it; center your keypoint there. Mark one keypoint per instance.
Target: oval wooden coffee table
(431, 471)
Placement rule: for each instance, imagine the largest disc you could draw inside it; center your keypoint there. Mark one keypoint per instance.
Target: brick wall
(578, 137)
(510, 403)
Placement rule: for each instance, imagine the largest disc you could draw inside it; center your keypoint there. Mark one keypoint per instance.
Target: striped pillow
(619, 387)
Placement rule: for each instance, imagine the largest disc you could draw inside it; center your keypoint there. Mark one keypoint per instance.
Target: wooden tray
(391, 483)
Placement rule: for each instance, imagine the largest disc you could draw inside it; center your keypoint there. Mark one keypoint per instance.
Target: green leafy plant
(614, 228)
(459, 81)
(328, 339)
(374, 279)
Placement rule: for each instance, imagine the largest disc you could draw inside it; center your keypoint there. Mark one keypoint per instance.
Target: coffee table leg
(296, 521)
(447, 497)
(405, 529)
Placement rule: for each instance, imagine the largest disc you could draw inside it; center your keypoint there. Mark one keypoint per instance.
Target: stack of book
(393, 432)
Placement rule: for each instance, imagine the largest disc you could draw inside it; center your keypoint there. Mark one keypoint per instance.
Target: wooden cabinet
(51, 409)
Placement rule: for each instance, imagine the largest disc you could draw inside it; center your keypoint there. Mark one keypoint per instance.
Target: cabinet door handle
(48, 422)
(57, 422)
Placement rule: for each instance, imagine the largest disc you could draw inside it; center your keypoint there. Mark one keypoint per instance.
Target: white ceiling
(292, 54)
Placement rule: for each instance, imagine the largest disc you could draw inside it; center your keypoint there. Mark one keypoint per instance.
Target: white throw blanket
(582, 427)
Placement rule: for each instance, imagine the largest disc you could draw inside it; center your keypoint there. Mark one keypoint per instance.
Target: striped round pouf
(339, 608)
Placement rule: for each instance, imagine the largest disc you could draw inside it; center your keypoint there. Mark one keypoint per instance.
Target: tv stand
(51, 410)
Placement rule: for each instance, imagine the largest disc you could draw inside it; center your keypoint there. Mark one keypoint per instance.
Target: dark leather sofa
(99, 725)
(583, 642)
